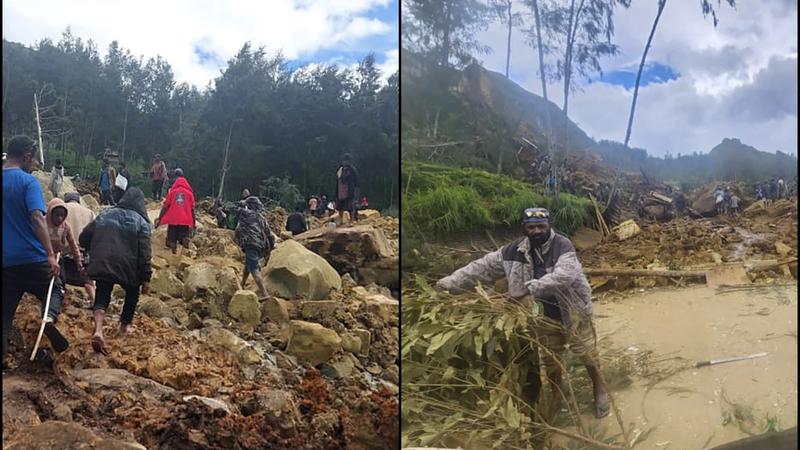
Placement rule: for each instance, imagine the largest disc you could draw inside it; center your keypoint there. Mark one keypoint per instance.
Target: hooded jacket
(179, 204)
(252, 229)
(118, 242)
(563, 284)
(61, 236)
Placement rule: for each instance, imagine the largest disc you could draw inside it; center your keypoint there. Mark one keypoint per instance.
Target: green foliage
(446, 29)
(447, 209)
(281, 191)
(287, 122)
(464, 371)
(443, 200)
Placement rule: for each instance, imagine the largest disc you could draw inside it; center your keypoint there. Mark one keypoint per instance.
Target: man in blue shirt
(106, 182)
(28, 258)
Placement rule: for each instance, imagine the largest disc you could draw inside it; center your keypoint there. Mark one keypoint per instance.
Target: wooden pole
(39, 129)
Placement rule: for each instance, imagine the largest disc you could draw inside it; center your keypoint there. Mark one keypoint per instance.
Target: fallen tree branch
(645, 273)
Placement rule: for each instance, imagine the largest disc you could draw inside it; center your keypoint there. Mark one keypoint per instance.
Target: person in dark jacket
(118, 242)
(296, 223)
(543, 264)
(255, 239)
(346, 189)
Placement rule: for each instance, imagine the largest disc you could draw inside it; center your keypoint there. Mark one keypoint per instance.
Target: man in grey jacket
(544, 264)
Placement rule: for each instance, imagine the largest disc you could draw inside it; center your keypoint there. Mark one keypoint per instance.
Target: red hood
(182, 182)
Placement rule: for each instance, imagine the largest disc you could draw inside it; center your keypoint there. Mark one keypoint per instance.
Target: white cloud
(391, 65)
(173, 28)
(722, 70)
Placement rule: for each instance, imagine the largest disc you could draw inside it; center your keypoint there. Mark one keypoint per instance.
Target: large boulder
(348, 248)
(44, 182)
(244, 306)
(275, 310)
(313, 343)
(166, 282)
(154, 307)
(64, 435)
(246, 353)
(388, 309)
(704, 202)
(90, 202)
(294, 270)
(383, 272)
(201, 279)
(111, 380)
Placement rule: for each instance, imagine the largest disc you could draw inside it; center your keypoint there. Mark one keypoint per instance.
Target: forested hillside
(282, 121)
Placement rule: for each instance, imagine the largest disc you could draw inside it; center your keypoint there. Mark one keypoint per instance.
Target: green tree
(446, 29)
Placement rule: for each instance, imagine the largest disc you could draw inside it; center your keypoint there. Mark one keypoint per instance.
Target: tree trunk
(446, 36)
(39, 129)
(124, 131)
(541, 50)
(574, 20)
(661, 4)
(225, 161)
(508, 45)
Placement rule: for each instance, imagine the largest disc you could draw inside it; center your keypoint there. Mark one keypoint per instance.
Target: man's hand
(145, 288)
(518, 293)
(55, 270)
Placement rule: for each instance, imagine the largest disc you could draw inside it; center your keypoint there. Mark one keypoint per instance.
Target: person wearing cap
(29, 261)
(177, 212)
(255, 238)
(543, 264)
(346, 189)
(158, 174)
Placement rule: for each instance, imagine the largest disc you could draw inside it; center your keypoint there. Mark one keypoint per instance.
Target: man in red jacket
(177, 212)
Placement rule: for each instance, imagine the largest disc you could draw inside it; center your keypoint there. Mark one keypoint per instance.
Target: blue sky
(626, 77)
(209, 33)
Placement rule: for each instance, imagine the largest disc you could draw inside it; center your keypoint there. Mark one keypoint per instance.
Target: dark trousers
(105, 198)
(103, 297)
(34, 279)
(158, 186)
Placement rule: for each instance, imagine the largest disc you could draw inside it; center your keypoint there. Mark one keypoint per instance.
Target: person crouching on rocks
(118, 242)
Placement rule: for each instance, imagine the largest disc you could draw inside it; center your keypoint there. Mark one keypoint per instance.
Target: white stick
(726, 360)
(46, 310)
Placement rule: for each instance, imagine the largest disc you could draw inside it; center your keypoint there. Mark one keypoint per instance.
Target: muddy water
(740, 249)
(698, 324)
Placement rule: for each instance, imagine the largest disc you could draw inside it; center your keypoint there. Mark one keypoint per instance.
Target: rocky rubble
(761, 233)
(210, 365)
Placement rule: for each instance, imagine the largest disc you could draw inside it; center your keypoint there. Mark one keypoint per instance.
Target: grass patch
(440, 200)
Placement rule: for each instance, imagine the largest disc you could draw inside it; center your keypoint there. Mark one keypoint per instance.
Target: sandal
(99, 345)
